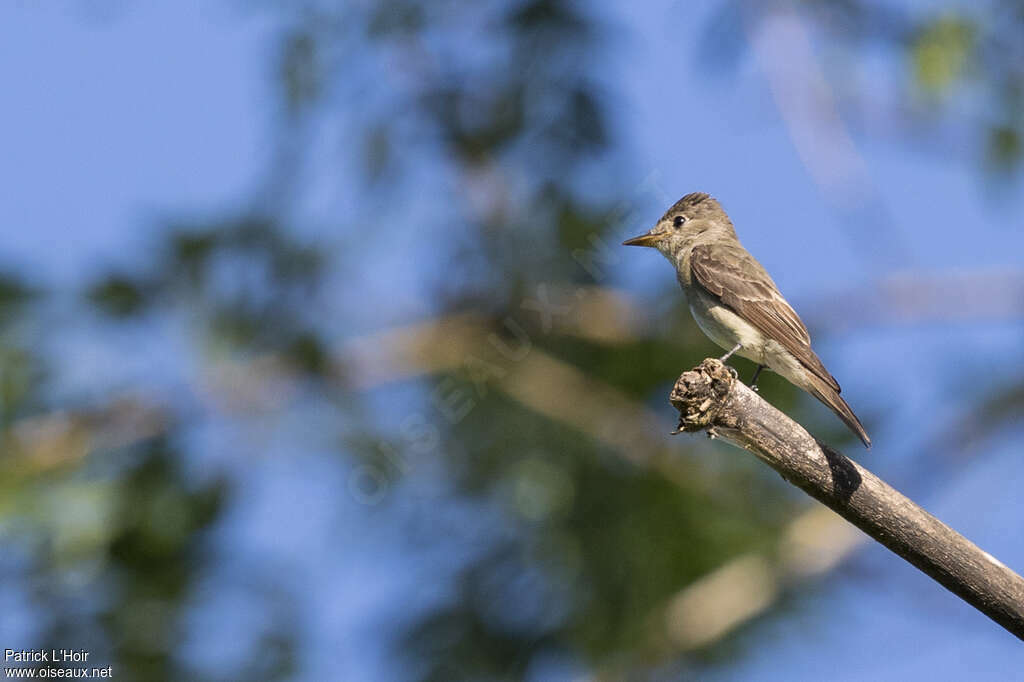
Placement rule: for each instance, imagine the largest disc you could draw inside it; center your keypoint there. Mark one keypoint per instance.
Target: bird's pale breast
(726, 329)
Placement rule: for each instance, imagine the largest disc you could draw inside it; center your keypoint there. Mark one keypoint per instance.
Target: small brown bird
(736, 303)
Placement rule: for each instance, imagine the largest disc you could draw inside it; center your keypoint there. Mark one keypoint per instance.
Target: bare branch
(709, 398)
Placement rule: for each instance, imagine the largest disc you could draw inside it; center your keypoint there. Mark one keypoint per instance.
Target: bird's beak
(649, 239)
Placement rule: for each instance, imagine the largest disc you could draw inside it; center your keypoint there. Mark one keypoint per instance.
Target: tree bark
(709, 398)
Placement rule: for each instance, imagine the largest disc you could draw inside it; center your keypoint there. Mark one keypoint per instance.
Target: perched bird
(736, 303)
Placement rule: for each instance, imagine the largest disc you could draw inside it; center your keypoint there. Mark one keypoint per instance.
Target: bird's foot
(753, 380)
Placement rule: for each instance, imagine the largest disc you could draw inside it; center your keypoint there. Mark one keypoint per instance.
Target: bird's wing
(730, 273)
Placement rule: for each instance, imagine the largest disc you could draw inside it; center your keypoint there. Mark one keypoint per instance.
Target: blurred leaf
(477, 124)
(158, 525)
(395, 17)
(190, 251)
(941, 53)
(1004, 148)
(300, 70)
(119, 296)
(15, 294)
(541, 16)
(297, 264)
(22, 376)
(308, 354)
(587, 120)
(233, 327)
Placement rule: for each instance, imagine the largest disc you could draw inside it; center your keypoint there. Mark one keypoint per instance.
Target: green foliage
(22, 376)
(1005, 147)
(308, 354)
(113, 561)
(597, 547)
(157, 529)
(941, 52)
(300, 72)
(119, 296)
(14, 295)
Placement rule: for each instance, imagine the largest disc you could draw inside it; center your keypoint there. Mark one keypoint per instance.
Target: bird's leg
(729, 354)
(753, 381)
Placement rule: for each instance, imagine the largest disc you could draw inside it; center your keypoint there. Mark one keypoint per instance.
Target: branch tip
(700, 393)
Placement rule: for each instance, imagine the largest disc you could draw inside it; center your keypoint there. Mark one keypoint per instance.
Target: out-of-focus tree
(962, 86)
(589, 533)
(580, 537)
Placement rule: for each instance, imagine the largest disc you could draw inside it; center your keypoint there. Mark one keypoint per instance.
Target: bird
(736, 303)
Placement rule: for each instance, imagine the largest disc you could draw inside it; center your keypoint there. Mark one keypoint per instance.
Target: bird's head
(693, 215)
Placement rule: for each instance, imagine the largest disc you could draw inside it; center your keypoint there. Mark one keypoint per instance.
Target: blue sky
(104, 134)
(110, 123)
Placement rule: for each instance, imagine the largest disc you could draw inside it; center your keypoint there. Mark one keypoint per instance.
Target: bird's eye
(678, 221)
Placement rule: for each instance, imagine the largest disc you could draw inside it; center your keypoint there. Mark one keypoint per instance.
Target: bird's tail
(826, 394)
